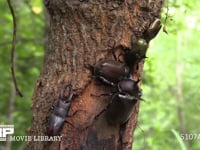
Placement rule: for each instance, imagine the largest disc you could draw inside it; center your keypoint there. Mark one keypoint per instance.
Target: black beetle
(111, 71)
(118, 75)
(137, 52)
(59, 112)
(139, 46)
(123, 101)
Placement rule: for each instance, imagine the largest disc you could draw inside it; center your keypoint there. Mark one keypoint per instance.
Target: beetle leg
(128, 97)
(107, 81)
(113, 53)
(69, 116)
(111, 45)
(72, 125)
(103, 94)
(74, 113)
(89, 66)
(131, 98)
(120, 55)
(102, 111)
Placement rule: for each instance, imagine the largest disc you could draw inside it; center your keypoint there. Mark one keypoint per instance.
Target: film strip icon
(6, 130)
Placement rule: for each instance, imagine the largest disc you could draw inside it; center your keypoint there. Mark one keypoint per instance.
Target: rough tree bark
(80, 34)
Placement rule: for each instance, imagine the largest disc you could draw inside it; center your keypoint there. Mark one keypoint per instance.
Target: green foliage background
(158, 116)
(29, 58)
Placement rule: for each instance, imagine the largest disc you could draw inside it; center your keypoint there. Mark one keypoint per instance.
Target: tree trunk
(80, 34)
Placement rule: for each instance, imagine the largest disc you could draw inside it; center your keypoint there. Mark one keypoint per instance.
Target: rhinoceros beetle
(111, 71)
(137, 52)
(123, 101)
(118, 75)
(59, 112)
(139, 46)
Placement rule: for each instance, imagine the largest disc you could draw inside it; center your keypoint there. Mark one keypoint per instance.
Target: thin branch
(166, 18)
(13, 48)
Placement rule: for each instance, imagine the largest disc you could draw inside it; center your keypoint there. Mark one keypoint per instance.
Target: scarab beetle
(118, 75)
(59, 112)
(139, 46)
(137, 52)
(123, 101)
(111, 71)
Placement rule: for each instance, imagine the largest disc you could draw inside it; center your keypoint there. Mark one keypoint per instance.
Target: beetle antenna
(113, 52)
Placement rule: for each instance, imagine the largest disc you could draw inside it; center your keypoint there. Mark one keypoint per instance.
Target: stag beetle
(59, 112)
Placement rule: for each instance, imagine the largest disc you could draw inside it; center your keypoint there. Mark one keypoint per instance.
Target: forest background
(168, 117)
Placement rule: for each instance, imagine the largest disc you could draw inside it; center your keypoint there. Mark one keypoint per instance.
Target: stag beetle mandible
(59, 112)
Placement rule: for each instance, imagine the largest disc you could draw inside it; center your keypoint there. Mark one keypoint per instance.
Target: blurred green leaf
(179, 139)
